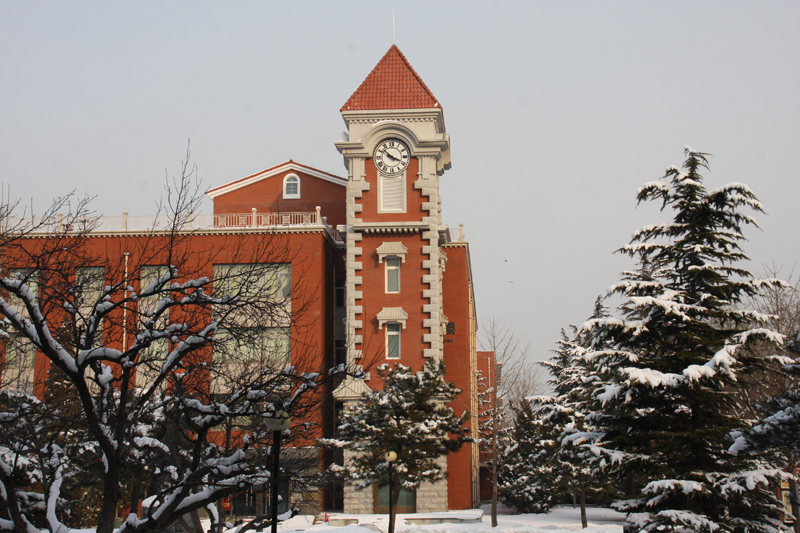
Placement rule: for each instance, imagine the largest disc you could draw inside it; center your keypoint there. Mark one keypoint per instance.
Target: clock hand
(391, 156)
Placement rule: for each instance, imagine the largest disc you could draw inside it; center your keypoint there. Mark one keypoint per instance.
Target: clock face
(391, 157)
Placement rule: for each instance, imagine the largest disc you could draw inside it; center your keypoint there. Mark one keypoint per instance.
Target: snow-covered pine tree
(572, 384)
(529, 478)
(408, 417)
(667, 364)
(545, 461)
(777, 434)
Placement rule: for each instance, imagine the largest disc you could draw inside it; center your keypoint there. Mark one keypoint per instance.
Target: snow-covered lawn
(562, 518)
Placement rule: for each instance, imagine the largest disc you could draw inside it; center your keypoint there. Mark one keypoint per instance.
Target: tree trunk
(11, 505)
(136, 493)
(111, 495)
(795, 503)
(494, 455)
(584, 522)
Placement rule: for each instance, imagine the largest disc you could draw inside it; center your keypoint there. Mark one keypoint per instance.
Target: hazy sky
(557, 111)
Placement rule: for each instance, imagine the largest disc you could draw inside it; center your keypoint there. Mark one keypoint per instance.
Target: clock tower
(395, 150)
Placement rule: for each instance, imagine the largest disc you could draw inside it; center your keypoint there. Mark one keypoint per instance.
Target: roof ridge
(392, 84)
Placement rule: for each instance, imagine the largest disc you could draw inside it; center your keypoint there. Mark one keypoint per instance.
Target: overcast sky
(557, 111)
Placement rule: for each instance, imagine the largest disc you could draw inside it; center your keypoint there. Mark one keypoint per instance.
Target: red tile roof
(392, 84)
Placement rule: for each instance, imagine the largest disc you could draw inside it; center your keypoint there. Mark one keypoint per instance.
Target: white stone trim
(432, 497)
(352, 282)
(350, 389)
(392, 314)
(392, 249)
(356, 501)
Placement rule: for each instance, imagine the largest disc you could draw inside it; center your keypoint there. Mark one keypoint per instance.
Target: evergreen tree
(408, 417)
(546, 461)
(666, 367)
(530, 480)
(777, 434)
(572, 382)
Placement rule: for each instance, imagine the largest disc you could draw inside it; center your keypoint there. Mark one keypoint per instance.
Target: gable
(282, 169)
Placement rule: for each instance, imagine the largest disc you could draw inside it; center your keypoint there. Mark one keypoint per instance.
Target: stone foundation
(431, 497)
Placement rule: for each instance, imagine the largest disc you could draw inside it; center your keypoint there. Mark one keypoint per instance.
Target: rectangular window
(248, 281)
(392, 274)
(149, 304)
(90, 283)
(340, 353)
(278, 345)
(393, 340)
(17, 368)
(29, 277)
(250, 287)
(279, 280)
(151, 358)
(261, 346)
(340, 293)
(392, 194)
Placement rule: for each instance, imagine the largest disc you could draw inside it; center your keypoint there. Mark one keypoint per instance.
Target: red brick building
(380, 277)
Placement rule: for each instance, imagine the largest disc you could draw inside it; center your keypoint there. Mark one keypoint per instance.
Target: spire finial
(394, 39)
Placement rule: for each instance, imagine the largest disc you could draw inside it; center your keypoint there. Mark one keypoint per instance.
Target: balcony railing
(457, 234)
(127, 223)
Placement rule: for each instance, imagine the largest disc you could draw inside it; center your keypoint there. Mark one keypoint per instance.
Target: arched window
(291, 186)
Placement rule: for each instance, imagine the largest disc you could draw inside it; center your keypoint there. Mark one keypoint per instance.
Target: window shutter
(392, 193)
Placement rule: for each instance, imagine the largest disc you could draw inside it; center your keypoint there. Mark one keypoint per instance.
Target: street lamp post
(279, 423)
(391, 457)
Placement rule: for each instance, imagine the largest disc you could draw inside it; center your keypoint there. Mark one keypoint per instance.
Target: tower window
(291, 186)
(392, 274)
(339, 292)
(393, 340)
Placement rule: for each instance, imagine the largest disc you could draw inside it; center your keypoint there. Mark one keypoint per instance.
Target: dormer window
(291, 187)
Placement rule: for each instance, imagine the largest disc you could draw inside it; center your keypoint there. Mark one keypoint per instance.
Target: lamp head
(279, 421)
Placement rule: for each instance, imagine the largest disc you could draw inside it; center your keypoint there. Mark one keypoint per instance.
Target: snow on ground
(561, 518)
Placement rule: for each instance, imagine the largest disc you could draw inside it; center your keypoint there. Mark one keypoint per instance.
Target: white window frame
(392, 267)
(393, 330)
(291, 178)
(381, 206)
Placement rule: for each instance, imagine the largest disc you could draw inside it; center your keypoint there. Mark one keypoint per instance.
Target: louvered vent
(392, 193)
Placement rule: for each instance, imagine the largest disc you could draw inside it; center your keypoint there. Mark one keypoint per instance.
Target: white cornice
(422, 129)
(391, 227)
(391, 248)
(392, 314)
(405, 115)
(268, 230)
